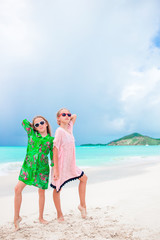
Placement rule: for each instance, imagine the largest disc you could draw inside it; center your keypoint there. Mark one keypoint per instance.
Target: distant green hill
(132, 139)
(92, 145)
(135, 139)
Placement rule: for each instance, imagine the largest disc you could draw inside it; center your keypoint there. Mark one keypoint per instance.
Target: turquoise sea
(11, 158)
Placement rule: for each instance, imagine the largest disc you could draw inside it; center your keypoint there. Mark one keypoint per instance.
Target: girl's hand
(55, 174)
(73, 118)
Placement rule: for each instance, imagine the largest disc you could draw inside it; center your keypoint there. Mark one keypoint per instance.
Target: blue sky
(100, 59)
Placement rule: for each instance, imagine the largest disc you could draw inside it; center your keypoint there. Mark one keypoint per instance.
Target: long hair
(58, 113)
(48, 125)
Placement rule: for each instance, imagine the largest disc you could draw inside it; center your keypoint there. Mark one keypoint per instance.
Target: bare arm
(55, 159)
(28, 127)
(73, 118)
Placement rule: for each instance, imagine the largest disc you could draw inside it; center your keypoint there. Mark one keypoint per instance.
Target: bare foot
(83, 211)
(43, 221)
(60, 219)
(16, 223)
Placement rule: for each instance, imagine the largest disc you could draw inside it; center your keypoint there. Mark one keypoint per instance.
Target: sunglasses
(40, 123)
(64, 114)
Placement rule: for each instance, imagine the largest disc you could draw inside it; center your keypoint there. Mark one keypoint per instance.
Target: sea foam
(10, 167)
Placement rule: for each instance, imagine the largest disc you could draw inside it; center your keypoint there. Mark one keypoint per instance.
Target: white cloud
(143, 84)
(134, 91)
(116, 125)
(95, 56)
(17, 37)
(140, 102)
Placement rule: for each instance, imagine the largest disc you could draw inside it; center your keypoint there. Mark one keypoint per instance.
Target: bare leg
(17, 203)
(82, 195)
(56, 199)
(41, 205)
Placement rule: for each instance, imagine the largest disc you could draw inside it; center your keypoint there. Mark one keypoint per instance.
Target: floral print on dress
(35, 168)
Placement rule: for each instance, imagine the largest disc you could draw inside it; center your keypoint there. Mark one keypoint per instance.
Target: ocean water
(11, 158)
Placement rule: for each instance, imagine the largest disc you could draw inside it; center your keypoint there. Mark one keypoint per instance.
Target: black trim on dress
(69, 180)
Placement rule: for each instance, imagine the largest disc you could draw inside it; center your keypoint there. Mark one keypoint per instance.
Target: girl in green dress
(35, 168)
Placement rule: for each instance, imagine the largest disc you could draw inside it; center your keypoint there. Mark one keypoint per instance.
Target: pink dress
(68, 171)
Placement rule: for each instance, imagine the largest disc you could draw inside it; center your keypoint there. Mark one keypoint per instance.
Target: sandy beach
(122, 202)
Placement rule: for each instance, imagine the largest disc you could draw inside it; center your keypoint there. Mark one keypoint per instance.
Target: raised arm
(73, 118)
(28, 127)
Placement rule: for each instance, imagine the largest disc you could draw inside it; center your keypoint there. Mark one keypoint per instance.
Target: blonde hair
(59, 112)
(48, 125)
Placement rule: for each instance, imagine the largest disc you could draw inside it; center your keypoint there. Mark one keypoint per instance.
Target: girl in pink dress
(65, 169)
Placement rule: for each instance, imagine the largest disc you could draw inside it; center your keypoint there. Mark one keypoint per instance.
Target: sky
(98, 58)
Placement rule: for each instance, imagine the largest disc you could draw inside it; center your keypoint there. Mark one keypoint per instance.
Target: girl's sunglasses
(64, 114)
(40, 123)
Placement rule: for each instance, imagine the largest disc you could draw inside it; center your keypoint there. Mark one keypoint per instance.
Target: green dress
(35, 168)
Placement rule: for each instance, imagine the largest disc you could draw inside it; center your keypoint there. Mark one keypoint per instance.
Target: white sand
(123, 203)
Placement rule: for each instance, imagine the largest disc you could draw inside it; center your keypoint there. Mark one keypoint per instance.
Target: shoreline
(111, 171)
